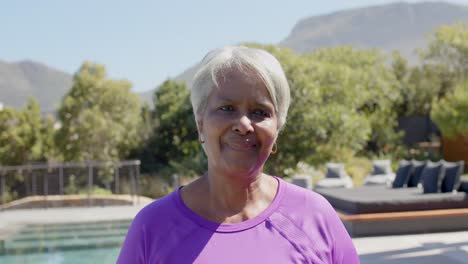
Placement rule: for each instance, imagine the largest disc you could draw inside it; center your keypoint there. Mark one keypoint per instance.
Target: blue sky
(146, 42)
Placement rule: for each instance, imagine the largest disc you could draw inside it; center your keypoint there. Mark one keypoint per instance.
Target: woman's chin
(238, 163)
(243, 169)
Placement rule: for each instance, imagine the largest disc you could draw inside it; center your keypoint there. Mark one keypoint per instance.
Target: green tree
(449, 47)
(445, 64)
(50, 151)
(451, 112)
(342, 100)
(372, 88)
(20, 134)
(418, 86)
(174, 138)
(100, 118)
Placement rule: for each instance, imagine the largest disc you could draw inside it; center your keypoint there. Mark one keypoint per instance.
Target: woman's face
(239, 125)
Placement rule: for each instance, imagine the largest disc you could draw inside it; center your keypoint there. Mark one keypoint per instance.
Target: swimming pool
(71, 243)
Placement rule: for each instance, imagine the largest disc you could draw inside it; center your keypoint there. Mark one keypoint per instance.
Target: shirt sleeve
(133, 248)
(344, 251)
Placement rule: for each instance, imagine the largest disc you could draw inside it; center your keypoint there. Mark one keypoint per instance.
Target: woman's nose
(243, 125)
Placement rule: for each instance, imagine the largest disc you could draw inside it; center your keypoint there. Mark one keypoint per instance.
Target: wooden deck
(428, 221)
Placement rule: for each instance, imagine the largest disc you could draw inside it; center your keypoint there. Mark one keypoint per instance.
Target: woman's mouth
(242, 145)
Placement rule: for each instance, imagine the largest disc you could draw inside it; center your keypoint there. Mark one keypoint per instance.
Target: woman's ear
(201, 139)
(199, 126)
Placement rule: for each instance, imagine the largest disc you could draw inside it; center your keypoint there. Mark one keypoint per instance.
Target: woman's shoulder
(309, 214)
(159, 209)
(302, 205)
(298, 198)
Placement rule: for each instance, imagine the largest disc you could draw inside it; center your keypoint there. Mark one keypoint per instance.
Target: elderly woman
(235, 213)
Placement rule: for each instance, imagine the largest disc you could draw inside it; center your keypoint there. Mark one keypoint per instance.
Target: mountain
(19, 81)
(398, 26)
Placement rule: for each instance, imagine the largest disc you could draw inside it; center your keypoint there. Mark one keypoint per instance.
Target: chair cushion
(451, 180)
(463, 185)
(333, 183)
(380, 179)
(415, 176)
(304, 182)
(432, 177)
(381, 167)
(335, 170)
(402, 175)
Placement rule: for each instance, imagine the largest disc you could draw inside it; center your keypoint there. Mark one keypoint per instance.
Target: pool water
(72, 243)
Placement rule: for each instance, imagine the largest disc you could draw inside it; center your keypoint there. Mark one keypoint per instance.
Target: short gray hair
(265, 65)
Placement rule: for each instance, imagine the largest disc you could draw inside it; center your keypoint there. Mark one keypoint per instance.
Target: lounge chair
(382, 173)
(302, 181)
(434, 207)
(335, 177)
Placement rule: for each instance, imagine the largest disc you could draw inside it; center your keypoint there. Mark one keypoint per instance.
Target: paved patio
(435, 248)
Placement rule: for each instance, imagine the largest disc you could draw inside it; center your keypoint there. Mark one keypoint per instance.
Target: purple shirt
(299, 226)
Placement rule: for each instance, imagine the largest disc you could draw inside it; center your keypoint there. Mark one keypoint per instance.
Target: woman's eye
(262, 113)
(227, 108)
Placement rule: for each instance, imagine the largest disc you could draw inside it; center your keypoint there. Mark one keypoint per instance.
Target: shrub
(451, 112)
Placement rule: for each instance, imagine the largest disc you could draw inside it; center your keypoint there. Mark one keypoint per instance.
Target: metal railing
(30, 174)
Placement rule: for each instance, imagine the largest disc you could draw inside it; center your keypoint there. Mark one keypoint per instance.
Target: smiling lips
(242, 145)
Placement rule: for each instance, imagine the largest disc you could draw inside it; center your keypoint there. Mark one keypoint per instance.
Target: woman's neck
(230, 199)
